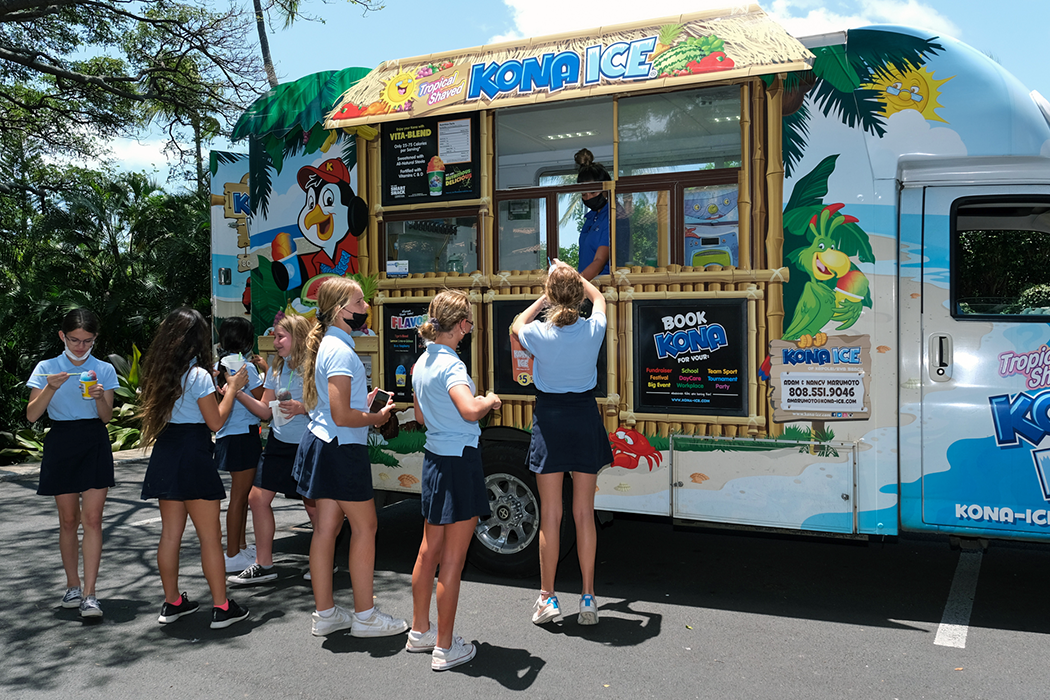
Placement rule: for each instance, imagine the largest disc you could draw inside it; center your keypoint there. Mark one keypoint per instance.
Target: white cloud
(132, 155)
(799, 17)
(543, 17)
(807, 17)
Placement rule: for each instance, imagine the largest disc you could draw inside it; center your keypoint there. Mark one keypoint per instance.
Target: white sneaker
(379, 624)
(588, 610)
(238, 562)
(422, 641)
(338, 620)
(546, 609)
(459, 653)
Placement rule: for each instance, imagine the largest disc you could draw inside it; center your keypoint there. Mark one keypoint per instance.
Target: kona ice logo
(551, 72)
(1021, 416)
(1033, 366)
(698, 339)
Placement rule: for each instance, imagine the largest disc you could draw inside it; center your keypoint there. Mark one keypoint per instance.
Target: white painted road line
(955, 623)
(150, 521)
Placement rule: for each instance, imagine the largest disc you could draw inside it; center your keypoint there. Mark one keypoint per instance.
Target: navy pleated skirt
(568, 435)
(181, 467)
(77, 458)
(454, 487)
(275, 467)
(330, 470)
(238, 453)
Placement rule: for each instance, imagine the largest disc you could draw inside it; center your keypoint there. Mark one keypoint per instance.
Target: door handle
(940, 355)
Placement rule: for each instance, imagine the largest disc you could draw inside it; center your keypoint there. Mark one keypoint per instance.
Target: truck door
(975, 308)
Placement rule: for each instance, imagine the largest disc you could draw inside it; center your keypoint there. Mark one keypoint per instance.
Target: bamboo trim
(481, 202)
(374, 195)
(626, 418)
(743, 201)
(486, 218)
(756, 178)
(749, 294)
(628, 378)
(752, 366)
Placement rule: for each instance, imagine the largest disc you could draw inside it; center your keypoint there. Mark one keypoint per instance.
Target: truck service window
(1001, 259)
(680, 131)
(447, 244)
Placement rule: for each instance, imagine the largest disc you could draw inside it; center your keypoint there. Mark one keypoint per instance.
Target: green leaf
(811, 189)
(831, 64)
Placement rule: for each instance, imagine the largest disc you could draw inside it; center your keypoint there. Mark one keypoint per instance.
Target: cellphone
(379, 401)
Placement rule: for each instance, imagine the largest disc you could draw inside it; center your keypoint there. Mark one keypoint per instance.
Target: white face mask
(77, 358)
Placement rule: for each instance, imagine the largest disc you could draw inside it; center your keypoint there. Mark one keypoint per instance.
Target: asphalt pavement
(684, 614)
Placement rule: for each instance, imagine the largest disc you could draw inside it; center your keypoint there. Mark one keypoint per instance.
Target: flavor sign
(402, 345)
(829, 382)
(690, 356)
(430, 160)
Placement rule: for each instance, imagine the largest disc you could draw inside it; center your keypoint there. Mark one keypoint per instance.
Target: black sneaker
(256, 573)
(224, 618)
(170, 613)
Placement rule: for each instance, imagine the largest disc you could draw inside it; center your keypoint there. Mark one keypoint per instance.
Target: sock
(362, 616)
(178, 601)
(327, 613)
(225, 605)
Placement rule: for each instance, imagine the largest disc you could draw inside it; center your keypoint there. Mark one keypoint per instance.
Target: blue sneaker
(546, 609)
(588, 610)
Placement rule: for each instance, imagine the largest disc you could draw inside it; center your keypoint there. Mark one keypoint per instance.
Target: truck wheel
(507, 543)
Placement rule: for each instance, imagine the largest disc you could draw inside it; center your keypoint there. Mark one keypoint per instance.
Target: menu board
(402, 346)
(430, 160)
(512, 364)
(690, 356)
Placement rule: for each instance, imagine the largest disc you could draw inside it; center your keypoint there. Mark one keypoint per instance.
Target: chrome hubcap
(512, 525)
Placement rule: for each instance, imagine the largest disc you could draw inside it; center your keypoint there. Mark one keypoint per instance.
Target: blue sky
(1016, 33)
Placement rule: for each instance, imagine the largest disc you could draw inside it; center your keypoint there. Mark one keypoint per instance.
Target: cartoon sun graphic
(399, 91)
(917, 89)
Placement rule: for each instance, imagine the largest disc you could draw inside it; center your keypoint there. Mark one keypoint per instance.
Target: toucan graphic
(332, 218)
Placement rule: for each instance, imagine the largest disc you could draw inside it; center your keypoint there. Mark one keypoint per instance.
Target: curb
(31, 470)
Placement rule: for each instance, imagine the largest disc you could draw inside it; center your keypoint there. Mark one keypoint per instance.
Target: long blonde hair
(298, 327)
(447, 309)
(333, 295)
(564, 289)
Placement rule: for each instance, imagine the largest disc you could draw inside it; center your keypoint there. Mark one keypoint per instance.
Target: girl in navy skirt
(284, 383)
(453, 482)
(567, 430)
(178, 412)
(237, 444)
(332, 465)
(77, 468)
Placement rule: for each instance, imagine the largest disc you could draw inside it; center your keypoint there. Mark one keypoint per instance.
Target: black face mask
(356, 320)
(596, 203)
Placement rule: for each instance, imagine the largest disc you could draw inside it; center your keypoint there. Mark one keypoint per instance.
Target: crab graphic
(629, 449)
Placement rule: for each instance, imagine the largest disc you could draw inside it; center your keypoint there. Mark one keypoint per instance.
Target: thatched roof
(735, 43)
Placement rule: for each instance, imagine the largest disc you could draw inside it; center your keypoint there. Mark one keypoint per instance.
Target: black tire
(507, 543)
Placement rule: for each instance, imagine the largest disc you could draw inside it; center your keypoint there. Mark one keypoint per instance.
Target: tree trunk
(264, 44)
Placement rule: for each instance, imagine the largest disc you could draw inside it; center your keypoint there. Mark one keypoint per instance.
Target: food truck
(827, 302)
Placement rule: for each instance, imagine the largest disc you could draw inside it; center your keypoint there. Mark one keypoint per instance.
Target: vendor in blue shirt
(594, 235)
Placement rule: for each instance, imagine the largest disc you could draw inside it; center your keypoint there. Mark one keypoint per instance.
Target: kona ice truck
(829, 308)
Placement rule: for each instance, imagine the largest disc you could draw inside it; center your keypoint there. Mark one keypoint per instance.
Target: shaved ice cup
(278, 418)
(233, 363)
